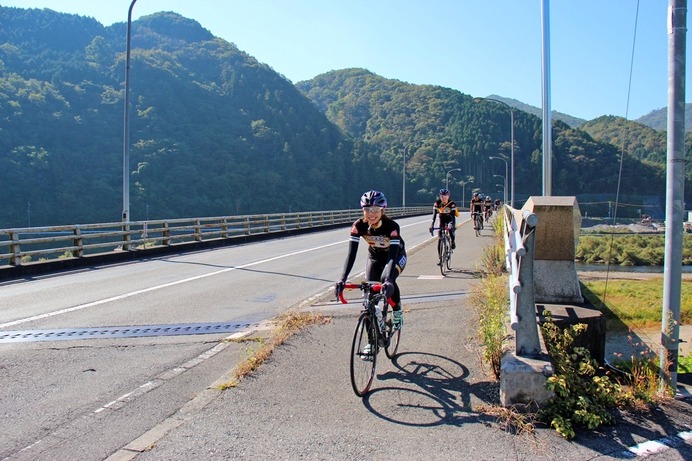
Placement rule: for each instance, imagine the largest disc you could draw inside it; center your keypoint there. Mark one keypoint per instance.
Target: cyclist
(497, 204)
(476, 204)
(385, 246)
(448, 212)
(488, 207)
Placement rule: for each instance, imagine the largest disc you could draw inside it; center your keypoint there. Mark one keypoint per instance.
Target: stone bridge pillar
(555, 274)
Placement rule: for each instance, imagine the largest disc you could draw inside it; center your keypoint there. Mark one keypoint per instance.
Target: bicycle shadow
(429, 390)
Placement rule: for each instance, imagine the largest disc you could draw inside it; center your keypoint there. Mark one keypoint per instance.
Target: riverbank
(614, 274)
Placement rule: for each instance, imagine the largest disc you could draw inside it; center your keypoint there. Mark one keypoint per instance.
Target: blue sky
(478, 47)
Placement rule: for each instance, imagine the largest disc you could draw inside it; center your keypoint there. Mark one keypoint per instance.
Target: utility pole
(675, 193)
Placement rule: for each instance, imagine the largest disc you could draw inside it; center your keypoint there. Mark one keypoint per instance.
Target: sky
(607, 57)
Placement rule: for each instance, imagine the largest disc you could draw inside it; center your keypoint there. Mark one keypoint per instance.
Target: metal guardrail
(519, 252)
(20, 246)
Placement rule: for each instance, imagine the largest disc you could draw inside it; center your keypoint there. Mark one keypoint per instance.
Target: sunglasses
(372, 209)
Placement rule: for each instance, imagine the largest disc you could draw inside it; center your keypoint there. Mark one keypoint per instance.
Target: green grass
(635, 303)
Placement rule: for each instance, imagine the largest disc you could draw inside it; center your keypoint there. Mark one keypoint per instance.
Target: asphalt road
(158, 397)
(79, 396)
(430, 402)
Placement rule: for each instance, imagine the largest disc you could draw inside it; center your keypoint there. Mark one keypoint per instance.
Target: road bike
(478, 222)
(374, 328)
(444, 248)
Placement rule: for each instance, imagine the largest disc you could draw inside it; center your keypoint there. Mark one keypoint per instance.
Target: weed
(288, 324)
(582, 392)
(490, 299)
(511, 419)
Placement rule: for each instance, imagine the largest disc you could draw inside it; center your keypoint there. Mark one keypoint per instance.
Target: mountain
(215, 132)
(212, 130)
(447, 130)
(658, 119)
(574, 122)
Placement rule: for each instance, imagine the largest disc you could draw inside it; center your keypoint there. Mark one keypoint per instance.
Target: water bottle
(378, 314)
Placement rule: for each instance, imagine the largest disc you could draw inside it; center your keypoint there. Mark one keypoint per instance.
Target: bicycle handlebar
(374, 286)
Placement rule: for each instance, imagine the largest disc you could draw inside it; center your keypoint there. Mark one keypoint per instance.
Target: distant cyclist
(488, 207)
(497, 204)
(476, 204)
(448, 212)
(385, 246)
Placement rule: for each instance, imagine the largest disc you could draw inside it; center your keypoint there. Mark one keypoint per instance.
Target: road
(69, 389)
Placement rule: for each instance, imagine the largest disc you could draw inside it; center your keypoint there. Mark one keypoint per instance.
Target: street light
(511, 117)
(403, 180)
(504, 187)
(505, 176)
(447, 177)
(463, 191)
(126, 134)
(504, 190)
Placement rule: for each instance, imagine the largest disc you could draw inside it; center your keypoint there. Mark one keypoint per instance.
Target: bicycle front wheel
(448, 259)
(442, 249)
(392, 344)
(363, 361)
(440, 252)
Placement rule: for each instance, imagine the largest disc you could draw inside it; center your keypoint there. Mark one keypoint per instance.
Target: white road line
(158, 287)
(651, 447)
(170, 284)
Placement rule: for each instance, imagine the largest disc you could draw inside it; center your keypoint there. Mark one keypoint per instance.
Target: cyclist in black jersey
(448, 212)
(385, 246)
(476, 204)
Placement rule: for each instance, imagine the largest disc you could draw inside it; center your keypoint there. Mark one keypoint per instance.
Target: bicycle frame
(368, 331)
(443, 247)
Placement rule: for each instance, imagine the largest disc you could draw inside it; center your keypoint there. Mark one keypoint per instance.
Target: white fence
(22, 245)
(519, 253)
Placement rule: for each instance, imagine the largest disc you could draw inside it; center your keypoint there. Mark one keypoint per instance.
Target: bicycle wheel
(477, 226)
(440, 252)
(392, 343)
(363, 365)
(443, 248)
(448, 258)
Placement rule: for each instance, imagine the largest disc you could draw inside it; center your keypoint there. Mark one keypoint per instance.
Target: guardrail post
(126, 236)
(198, 231)
(224, 228)
(165, 234)
(78, 242)
(16, 259)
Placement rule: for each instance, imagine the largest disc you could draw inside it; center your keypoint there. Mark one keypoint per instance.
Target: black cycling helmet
(475, 194)
(444, 191)
(373, 198)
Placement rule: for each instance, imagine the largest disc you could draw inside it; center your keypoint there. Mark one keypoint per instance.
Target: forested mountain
(214, 132)
(574, 122)
(658, 119)
(449, 130)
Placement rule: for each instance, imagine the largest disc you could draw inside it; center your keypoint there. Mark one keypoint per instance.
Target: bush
(583, 393)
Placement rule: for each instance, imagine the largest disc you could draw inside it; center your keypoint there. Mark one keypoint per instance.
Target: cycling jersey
(447, 211)
(476, 205)
(384, 244)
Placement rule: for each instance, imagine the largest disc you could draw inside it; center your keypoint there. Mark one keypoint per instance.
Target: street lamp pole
(447, 177)
(126, 134)
(511, 118)
(403, 181)
(463, 191)
(504, 187)
(505, 195)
